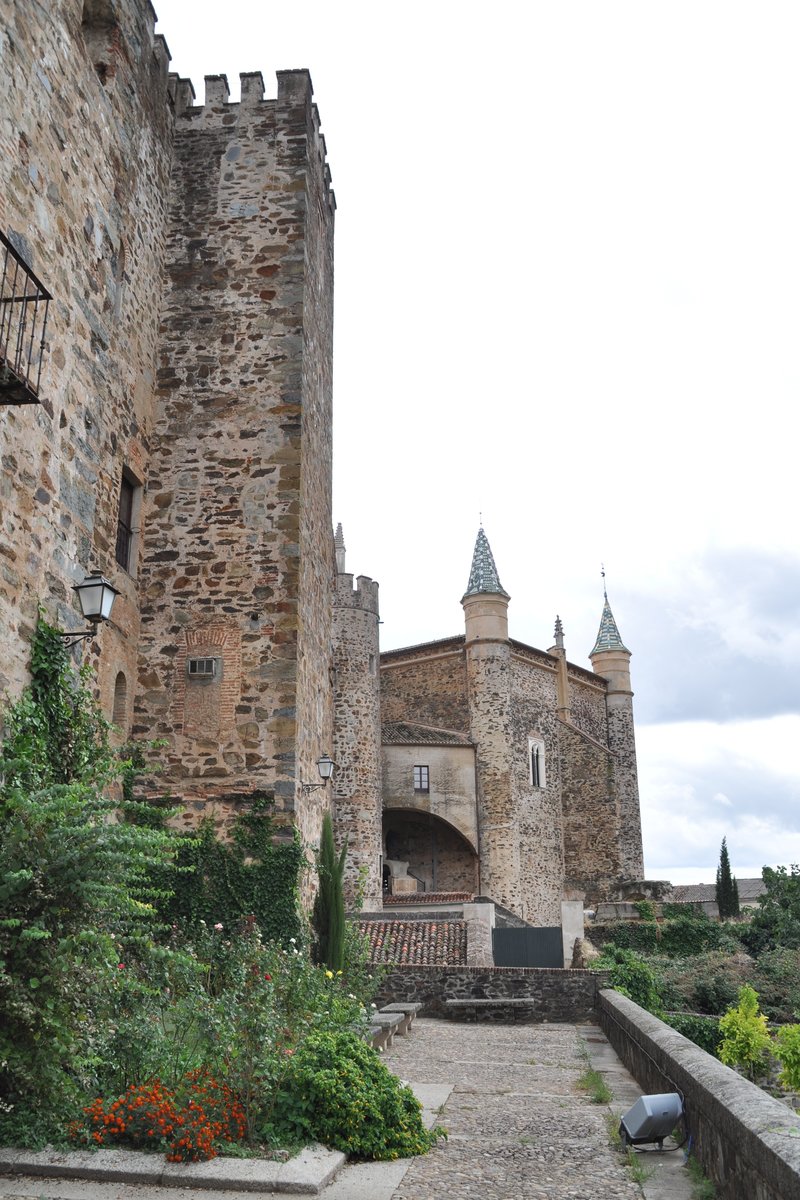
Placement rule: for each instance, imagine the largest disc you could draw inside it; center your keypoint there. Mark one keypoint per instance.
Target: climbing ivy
(254, 874)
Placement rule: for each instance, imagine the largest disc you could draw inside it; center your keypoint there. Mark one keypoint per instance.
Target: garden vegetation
(157, 989)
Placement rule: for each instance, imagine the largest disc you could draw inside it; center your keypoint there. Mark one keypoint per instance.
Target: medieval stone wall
(540, 838)
(357, 805)
(85, 149)
(238, 555)
(622, 740)
(592, 858)
(587, 703)
(429, 682)
(451, 775)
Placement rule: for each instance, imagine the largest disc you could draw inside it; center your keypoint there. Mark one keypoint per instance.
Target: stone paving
(519, 1127)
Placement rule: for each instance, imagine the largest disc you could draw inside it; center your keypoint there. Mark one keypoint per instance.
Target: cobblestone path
(519, 1126)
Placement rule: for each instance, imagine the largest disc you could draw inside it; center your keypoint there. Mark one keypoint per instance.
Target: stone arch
(439, 857)
(119, 713)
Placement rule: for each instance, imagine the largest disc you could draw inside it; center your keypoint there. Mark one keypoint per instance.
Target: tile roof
(694, 893)
(421, 943)
(607, 635)
(483, 577)
(430, 898)
(407, 733)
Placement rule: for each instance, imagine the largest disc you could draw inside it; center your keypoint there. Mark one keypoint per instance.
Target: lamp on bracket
(326, 766)
(96, 596)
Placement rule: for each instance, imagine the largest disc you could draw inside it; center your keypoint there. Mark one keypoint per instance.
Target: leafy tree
(727, 893)
(777, 921)
(73, 884)
(745, 1038)
(327, 918)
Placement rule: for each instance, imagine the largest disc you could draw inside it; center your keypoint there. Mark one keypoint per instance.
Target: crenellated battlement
(363, 594)
(295, 92)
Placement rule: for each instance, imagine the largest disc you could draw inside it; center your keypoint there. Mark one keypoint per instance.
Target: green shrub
(631, 975)
(786, 1048)
(776, 977)
(745, 1040)
(645, 909)
(714, 994)
(703, 1031)
(74, 889)
(337, 1091)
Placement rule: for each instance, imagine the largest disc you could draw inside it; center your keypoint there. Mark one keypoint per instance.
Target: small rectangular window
(203, 668)
(126, 513)
(421, 779)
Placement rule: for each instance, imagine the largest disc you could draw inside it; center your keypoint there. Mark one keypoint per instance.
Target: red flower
(268, 978)
(120, 966)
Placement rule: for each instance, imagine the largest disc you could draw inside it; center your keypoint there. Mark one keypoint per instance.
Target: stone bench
(494, 1008)
(406, 1012)
(383, 1027)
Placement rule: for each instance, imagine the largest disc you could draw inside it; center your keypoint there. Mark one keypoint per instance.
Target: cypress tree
(328, 917)
(727, 891)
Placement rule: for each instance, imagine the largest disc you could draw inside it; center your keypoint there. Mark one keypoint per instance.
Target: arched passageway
(438, 856)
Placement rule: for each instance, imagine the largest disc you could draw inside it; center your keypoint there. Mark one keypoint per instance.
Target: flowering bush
(189, 1125)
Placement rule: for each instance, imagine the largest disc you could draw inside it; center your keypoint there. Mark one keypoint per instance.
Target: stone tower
(488, 663)
(238, 566)
(611, 659)
(357, 805)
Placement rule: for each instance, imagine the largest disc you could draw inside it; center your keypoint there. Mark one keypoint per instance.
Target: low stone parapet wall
(557, 995)
(747, 1142)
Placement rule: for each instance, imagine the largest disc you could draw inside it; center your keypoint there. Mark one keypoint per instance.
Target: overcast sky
(567, 298)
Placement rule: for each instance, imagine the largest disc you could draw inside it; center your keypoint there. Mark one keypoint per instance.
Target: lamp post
(96, 596)
(326, 767)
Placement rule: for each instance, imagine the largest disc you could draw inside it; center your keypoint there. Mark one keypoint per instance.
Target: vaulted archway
(439, 858)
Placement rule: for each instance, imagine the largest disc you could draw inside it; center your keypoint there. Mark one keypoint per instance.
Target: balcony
(23, 321)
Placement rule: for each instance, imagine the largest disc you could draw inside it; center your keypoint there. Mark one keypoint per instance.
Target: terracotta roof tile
(408, 733)
(430, 898)
(421, 943)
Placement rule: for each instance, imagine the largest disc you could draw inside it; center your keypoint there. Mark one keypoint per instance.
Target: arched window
(120, 714)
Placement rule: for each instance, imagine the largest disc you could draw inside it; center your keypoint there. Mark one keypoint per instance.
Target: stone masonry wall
(587, 702)
(540, 835)
(557, 995)
(85, 150)
(592, 863)
(622, 740)
(238, 560)
(426, 684)
(357, 808)
(489, 674)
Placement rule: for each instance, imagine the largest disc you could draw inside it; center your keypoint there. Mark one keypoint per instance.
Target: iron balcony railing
(24, 302)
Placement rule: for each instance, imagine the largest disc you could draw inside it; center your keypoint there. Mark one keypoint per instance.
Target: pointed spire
(608, 635)
(338, 542)
(559, 633)
(483, 577)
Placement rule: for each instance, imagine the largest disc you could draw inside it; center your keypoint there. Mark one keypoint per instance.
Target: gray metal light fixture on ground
(96, 596)
(651, 1119)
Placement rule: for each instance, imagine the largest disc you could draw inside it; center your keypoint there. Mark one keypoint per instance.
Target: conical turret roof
(608, 635)
(483, 577)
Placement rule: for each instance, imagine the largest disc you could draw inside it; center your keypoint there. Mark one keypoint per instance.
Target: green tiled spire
(483, 577)
(608, 635)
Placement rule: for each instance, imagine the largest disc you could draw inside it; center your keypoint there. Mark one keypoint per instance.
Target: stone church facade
(166, 418)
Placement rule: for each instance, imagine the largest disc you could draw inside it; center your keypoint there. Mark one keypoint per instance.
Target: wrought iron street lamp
(96, 596)
(326, 767)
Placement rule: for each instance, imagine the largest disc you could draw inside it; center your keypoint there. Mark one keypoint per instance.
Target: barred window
(421, 779)
(203, 668)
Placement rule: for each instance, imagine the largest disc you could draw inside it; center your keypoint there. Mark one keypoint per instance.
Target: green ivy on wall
(253, 874)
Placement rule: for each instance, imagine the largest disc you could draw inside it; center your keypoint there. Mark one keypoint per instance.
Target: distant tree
(727, 894)
(777, 921)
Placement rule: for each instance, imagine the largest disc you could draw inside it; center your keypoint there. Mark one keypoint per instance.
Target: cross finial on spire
(603, 573)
